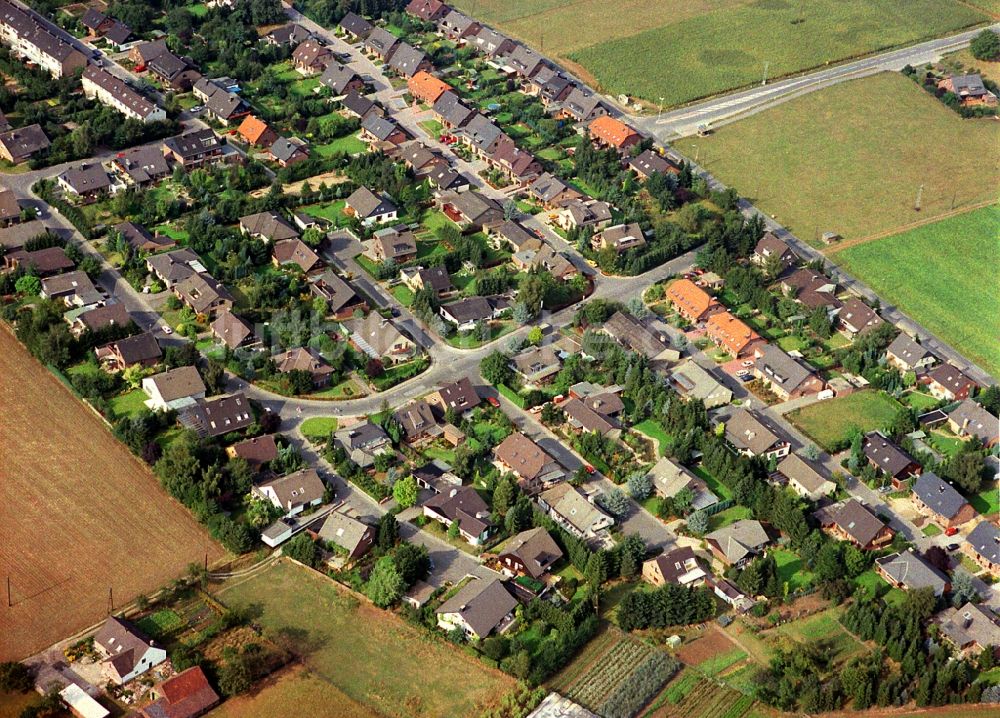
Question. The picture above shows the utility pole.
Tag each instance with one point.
(920, 195)
(111, 600)
(695, 148)
(661, 106)
(9, 604)
(764, 80)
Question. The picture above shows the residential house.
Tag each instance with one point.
(126, 652)
(341, 300)
(446, 180)
(785, 376)
(355, 27)
(582, 416)
(517, 165)
(96, 21)
(580, 214)
(466, 313)
(427, 10)
(856, 317)
(107, 89)
(551, 191)
(458, 396)
(982, 545)
(620, 237)
(638, 337)
(291, 35)
(911, 572)
(748, 436)
(139, 238)
(609, 132)
(23, 143)
(970, 629)
(371, 208)
(472, 210)
(341, 79)
(480, 608)
(173, 389)
(436, 476)
(86, 182)
(462, 505)
(692, 302)
(458, 26)
(353, 536)
(771, 249)
(970, 419)
(380, 338)
(141, 166)
(382, 131)
(302, 359)
(450, 111)
(417, 420)
(141, 349)
(513, 235)
(173, 267)
(354, 105)
(889, 460)
(804, 478)
(287, 152)
(949, 383)
(812, 289)
(852, 521)
(96, 318)
(529, 553)
(74, 288)
(424, 87)
(670, 478)
(393, 244)
(420, 159)
(195, 149)
(297, 252)
(738, 543)
(311, 57)
(550, 86)
(582, 105)
(142, 53)
(256, 451)
(574, 512)
(524, 62)
(936, 498)
(693, 382)
(185, 695)
(380, 43)
(480, 134)
(407, 61)
(546, 259)
(649, 163)
(294, 493)
(678, 566)
(906, 355)
(218, 416)
(491, 43)
(537, 364)
(119, 35)
(969, 89)
(204, 294)
(173, 71)
(732, 335)
(32, 37)
(256, 132)
(433, 278)
(50, 260)
(363, 442)
(10, 208)
(533, 467)
(14, 236)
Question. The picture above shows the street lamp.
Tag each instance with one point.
(661, 106)
(695, 148)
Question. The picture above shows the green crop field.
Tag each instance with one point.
(829, 422)
(828, 162)
(823, 628)
(943, 276)
(681, 51)
(372, 656)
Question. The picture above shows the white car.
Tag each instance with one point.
(167, 330)
(748, 363)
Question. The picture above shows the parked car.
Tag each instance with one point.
(493, 401)
(953, 547)
(950, 531)
(589, 469)
(167, 330)
(748, 363)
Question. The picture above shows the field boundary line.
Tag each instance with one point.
(848, 244)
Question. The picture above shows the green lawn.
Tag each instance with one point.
(829, 422)
(130, 403)
(792, 159)
(825, 628)
(432, 128)
(403, 294)
(334, 211)
(175, 233)
(350, 646)
(931, 530)
(318, 427)
(790, 570)
(654, 430)
(953, 293)
(918, 400)
(729, 516)
(875, 584)
(717, 487)
(349, 144)
(987, 501)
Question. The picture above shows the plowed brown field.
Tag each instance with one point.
(79, 515)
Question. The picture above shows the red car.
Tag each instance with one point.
(493, 401)
(950, 531)
(589, 469)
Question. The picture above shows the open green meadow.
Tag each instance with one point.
(851, 158)
(370, 655)
(943, 275)
(681, 51)
(829, 422)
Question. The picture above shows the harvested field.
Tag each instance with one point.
(714, 643)
(80, 514)
(293, 687)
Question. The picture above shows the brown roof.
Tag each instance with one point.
(302, 487)
(295, 251)
(124, 643)
(9, 208)
(586, 418)
(415, 418)
(178, 383)
(186, 695)
(138, 348)
(459, 395)
(303, 360)
(524, 457)
(257, 450)
(951, 378)
(111, 314)
(858, 522)
(536, 549)
(482, 604)
(232, 330)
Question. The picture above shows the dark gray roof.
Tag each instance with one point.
(780, 368)
(968, 85)
(214, 417)
(974, 419)
(335, 290)
(481, 132)
(381, 41)
(193, 143)
(270, 225)
(906, 349)
(985, 539)
(470, 309)
(292, 33)
(482, 603)
(356, 25)
(284, 149)
(354, 103)
(913, 571)
(581, 103)
(122, 92)
(138, 348)
(465, 505)
(337, 77)
(368, 204)
(884, 454)
(380, 128)
(547, 187)
(87, 178)
(406, 60)
(536, 549)
(450, 108)
(938, 495)
(143, 164)
(649, 163)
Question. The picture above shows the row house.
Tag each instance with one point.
(109, 90)
(692, 302)
(732, 335)
(32, 37)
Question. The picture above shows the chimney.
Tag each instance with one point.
(966, 619)
(453, 492)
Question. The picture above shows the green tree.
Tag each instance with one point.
(986, 46)
(385, 586)
(15, 677)
(412, 562)
(28, 285)
(303, 549)
(535, 336)
(495, 369)
(453, 530)
(388, 532)
(405, 492)
(697, 523)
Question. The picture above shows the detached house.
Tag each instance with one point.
(287, 152)
(969, 89)
(141, 349)
(302, 359)
(906, 355)
(363, 442)
(393, 244)
(465, 506)
(457, 26)
(480, 608)
(693, 382)
(195, 149)
(87, 182)
(552, 192)
(218, 416)
(355, 27)
(141, 166)
(889, 460)
(947, 382)
(650, 163)
(770, 249)
(407, 61)
(534, 468)
(569, 508)
(577, 214)
(341, 300)
(417, 420)
(737, 544)
(609, 132)
(911, 572)
(23, 143)
(638, 337)
(679, 566)
(380, 338)
(537, 365)
(127, 653)
(856, 317)
(382, 131)
(341, 79)
(268, 226)
(427, 10)
(982, 545)
(449, 109)
(970, 629)
(748, 436)
(804, 478)
(186, 695)
(582, 105)
(620, 237)
(296, 252)
(529, 553)
(256, 451)
(256, 132)
(311, 57)
(472, 210)
(381, 43)
(294, 493)
(670, 478)
(786, 377)
(970, 419)
(291, 34)
(355, 537)
(173, 389)
(852, 521)
(436, 279)
(204, 294)
(936, 498)
(370, 208)
(458, 396)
